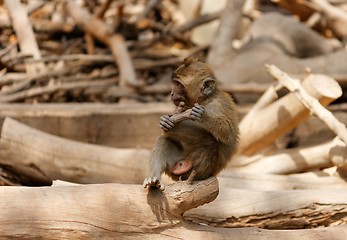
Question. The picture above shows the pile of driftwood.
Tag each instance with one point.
(63, 51)
(291, 167)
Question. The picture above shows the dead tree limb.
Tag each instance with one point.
(286, 161)
(289, 209)
(336, 17)
(25, 34)
(128, 126)
(43, 157)
(322, 113)
(232, 178)
(285, 114)
(97, 211)
(115, 42)
(230, 20)
(197, 232)
(311, 103)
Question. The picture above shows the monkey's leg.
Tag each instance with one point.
(191, 177)
(165, 154)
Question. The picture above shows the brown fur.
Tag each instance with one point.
(209, 142)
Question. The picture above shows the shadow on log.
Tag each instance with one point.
(97, 211)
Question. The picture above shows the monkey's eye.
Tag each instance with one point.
(176, 82)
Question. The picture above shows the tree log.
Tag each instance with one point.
(197, 232)
(125, 126)
(289, 209)
(26, 37)
(286, 161)
(97, 211)
(285, 114)
(272, 182)
(43, 157)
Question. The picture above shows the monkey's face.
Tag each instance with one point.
(193, 82)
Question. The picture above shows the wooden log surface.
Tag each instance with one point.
(197, 232)
(131, 125)
(290, 209)
(272, 182)
(43, 157)
(128, 125)
(285, 114)
(293, 160)
(97, 211)
(25, 34)
(49, 157)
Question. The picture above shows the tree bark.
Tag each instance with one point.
(97, 211)
(115, 42)
(294, 160)
(26, 38)
(291, 209)
(285, 114)
(124, 126)
(43, 157)
(272, 182)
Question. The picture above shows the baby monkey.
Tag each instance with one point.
(200, 137)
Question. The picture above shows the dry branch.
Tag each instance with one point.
(336, 17)
(311, 103)
(115, 42)
(131, 125)
(322, 113)
(43, 157)
(285, 114)
(271, 182)
(97, 211)
(36, 91)
(274, 210)
(221, 47)
(286, 161)
(25, 34)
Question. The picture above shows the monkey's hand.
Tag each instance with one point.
(197, 112)
(153, 182)
(166, 123)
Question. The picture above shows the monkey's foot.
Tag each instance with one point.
(153, 182)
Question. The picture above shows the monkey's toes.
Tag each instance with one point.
(153, 182)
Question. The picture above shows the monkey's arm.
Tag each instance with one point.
(168, 122)
(221, 124)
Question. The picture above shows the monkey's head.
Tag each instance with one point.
(193, 82)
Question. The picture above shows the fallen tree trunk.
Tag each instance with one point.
(294, 160)
(271, 182)
(196, 232)
(274, 210)
(97, 211)
(129, 125)
(43, 157)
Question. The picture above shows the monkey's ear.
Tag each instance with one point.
(209, 85)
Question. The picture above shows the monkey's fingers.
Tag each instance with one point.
(165, 126)
(166, 122)
(160, 186)
(153, 182)
(197, 112)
